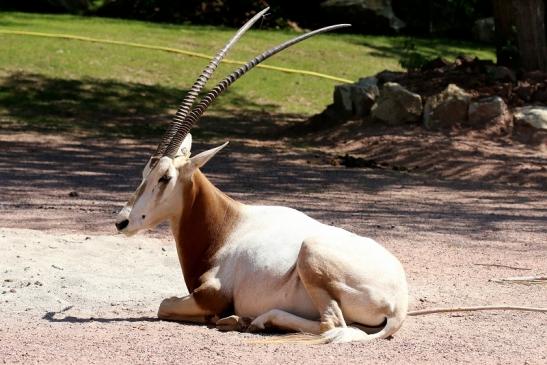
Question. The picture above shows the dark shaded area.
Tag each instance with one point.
(38, 175)
(452, 19)
(50, 317)
(422, 17)
(265, 164)
(92, 106)
(430, 48)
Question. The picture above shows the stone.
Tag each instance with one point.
(388, 76)
(342, 98)
(368, 81)
(397, 105)
(448, 107)
(436, 63)
(363, 98)
(363, 95)
(524, 90)
(532, 115)
(530, 125)
(486, 110)
(356, 99)
(501, 73)
(483, 30)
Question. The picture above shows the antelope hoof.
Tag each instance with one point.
(233, 323)
(258, 325)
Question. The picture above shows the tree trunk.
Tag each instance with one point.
(520, 33)
(530, 22)
(504, 22)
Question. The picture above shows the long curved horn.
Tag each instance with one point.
(224, 84)
(191, 96)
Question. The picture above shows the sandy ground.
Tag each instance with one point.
(73, 291)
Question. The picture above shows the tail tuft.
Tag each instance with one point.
(336, 335)
(345, 334)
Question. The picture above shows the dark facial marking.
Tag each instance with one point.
(164, 179)
(137, 194)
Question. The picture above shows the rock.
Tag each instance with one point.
(436, 63)
(534, 116)
(501, 73)
(388, 76)
(530, 125)
(342, 98)
(485, 110)
(446, 108)
(524, 90)
(397, 105)
(364, 95)
(483, 30)
(369, 15)
(368, 81)
(356, 99)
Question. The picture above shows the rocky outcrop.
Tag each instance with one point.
(446, 108)
(397, 105)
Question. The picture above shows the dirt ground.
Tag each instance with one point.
(74, 291)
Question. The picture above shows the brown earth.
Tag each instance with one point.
(75, 292)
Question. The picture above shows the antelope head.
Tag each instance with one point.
(159, 195)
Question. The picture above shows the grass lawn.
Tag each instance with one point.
(58, 84)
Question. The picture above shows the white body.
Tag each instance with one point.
(264, 247)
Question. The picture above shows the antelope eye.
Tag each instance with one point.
(164, 179)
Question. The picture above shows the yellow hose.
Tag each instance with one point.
(172, 50)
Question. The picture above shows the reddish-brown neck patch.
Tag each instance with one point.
(208, 217)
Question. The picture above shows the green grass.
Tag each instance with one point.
(65, 84)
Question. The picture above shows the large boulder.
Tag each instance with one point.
(364, 15)
(486, 110)
(356, 100)
(530, 125)
(397, 105)
(448, 107)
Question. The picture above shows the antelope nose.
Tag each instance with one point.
(121, 225)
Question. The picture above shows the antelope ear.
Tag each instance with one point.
(202, 158)
(185, 147)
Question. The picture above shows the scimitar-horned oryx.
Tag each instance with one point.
(267, 265)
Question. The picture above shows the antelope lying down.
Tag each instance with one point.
(274, 265)
(268, 266)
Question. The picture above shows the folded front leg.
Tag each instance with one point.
(183, 309)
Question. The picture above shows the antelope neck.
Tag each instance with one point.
(207, 219)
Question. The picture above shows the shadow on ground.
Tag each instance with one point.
(425, 49)
(476, 155)
(50, 317)
(94, 107)
(68, 182)
(80, 184)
